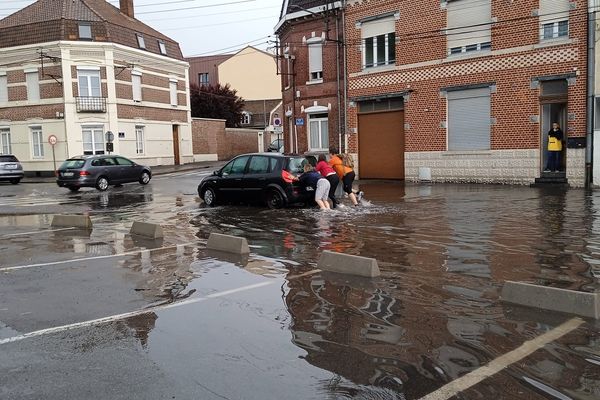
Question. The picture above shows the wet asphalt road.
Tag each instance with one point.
(104, 315)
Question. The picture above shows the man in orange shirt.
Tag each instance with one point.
(345, 172)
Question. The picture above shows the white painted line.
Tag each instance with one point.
(113, 318)
(36, 232)
(75, 260)
(472, 378)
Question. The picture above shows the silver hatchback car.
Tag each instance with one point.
(10, 169)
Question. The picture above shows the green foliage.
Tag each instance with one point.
(219, 102)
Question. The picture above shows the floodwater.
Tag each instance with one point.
(444, 252)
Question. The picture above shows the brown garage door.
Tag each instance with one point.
(381, 145)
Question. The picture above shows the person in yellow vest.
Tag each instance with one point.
(555, 138)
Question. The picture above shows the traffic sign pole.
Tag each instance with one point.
(53, 140)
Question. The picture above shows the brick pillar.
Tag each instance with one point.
(127, 7)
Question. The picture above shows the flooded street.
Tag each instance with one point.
(102, 314)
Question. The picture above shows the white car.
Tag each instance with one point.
(10, 169)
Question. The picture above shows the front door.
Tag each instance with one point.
(551, 113)
(176, 144)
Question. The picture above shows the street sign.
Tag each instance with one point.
(109, 147)
(277, 121)
(299, 121)
(278, 129)
(110, 136)
(52, 140)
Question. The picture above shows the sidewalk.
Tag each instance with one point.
(156, 170)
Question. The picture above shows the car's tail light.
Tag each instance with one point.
(287, 177)
(84, 173)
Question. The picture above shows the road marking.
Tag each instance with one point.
(75, 260)
(36, 232)
(472, 378)
(118, 317)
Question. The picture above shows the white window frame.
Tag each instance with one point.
(173, 92)
(97, 147)
(320, 121)
(5, 142)
(136, 86)
(33, 84)
(388, 47)
(140, 41)
(140, 140)
(162, 47)
(315, 67)
(457, 34)
(88, 74)
(3, 88)
(555, 30)
(246, 118)
(201, 81)
(81, 30)
(37, 142)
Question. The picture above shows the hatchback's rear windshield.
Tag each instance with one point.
(72, 164)
(296, 165)
(8, 159)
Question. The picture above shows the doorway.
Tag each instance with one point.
(553, 102)
(176, 144)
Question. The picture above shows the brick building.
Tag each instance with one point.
(77, 69)
(312, 74)
(466, 89)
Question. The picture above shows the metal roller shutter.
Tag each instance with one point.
(469, 119)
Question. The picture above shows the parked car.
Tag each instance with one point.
(10, 169)
(100, 171)
(276, 146)
(265, 178)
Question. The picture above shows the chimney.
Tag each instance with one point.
(127, 7)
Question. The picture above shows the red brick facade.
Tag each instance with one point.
(209, 136)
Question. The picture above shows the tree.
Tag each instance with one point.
(220, 102)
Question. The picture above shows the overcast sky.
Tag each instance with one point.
(200, 26)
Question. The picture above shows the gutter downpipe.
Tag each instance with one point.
(339, 94)
(591, 54)
(345, 48)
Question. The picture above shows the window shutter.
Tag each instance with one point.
(173, 90)
(136, 81)
(3, 89)
(378, 27)
(553, 10)
(315, 57)
(33, 86)
(469, 119)
(461, 18)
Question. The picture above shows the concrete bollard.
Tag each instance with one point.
(152, 231)
(348, 264)
(548, 298)
(228, 244)
(72, 221)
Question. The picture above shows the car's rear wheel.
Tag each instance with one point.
(73, 188)
(275, 199)
(145, 178)
(102, 183)
(210, 197)
(15, 181)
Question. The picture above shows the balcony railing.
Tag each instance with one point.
(91, 104)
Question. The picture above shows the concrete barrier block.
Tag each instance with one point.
(72, 221)
(348, 264)
(145, 229)
(548, 298)
(228, 244)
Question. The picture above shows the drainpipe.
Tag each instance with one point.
(339, 88)
(345, 77)
(591, 77)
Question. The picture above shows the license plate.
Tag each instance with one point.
(10, 166)
(67, 174)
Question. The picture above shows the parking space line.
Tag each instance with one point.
(118, 317)
(472, 378)
(35, 232)
(75, 260)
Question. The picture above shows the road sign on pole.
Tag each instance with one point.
(52, 139)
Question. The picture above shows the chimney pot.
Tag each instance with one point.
(127, 7)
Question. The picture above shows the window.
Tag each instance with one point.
(315, 59)
(37, 142)
(246, 118)
(259, 165)
(85, 31)
(173, 92)
(162, 47)
(3, 89)
(5, 141)
(89, 83)
(469, 25)
(469, 119)
(139, 140)
(379, 42)
(554, 19)
(33, 85)
(123, 161)
(140, 41)
(93, 140)
(319, 132)
(203, 78)
(236, 166)
(136, 83)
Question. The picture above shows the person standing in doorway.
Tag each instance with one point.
(555, 138)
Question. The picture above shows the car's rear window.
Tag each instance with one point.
(72, 164)
(295, 165)
(8, 159)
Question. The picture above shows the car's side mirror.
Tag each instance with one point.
(216, 173)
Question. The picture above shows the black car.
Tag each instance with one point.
(257, 178)
(100, 171)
